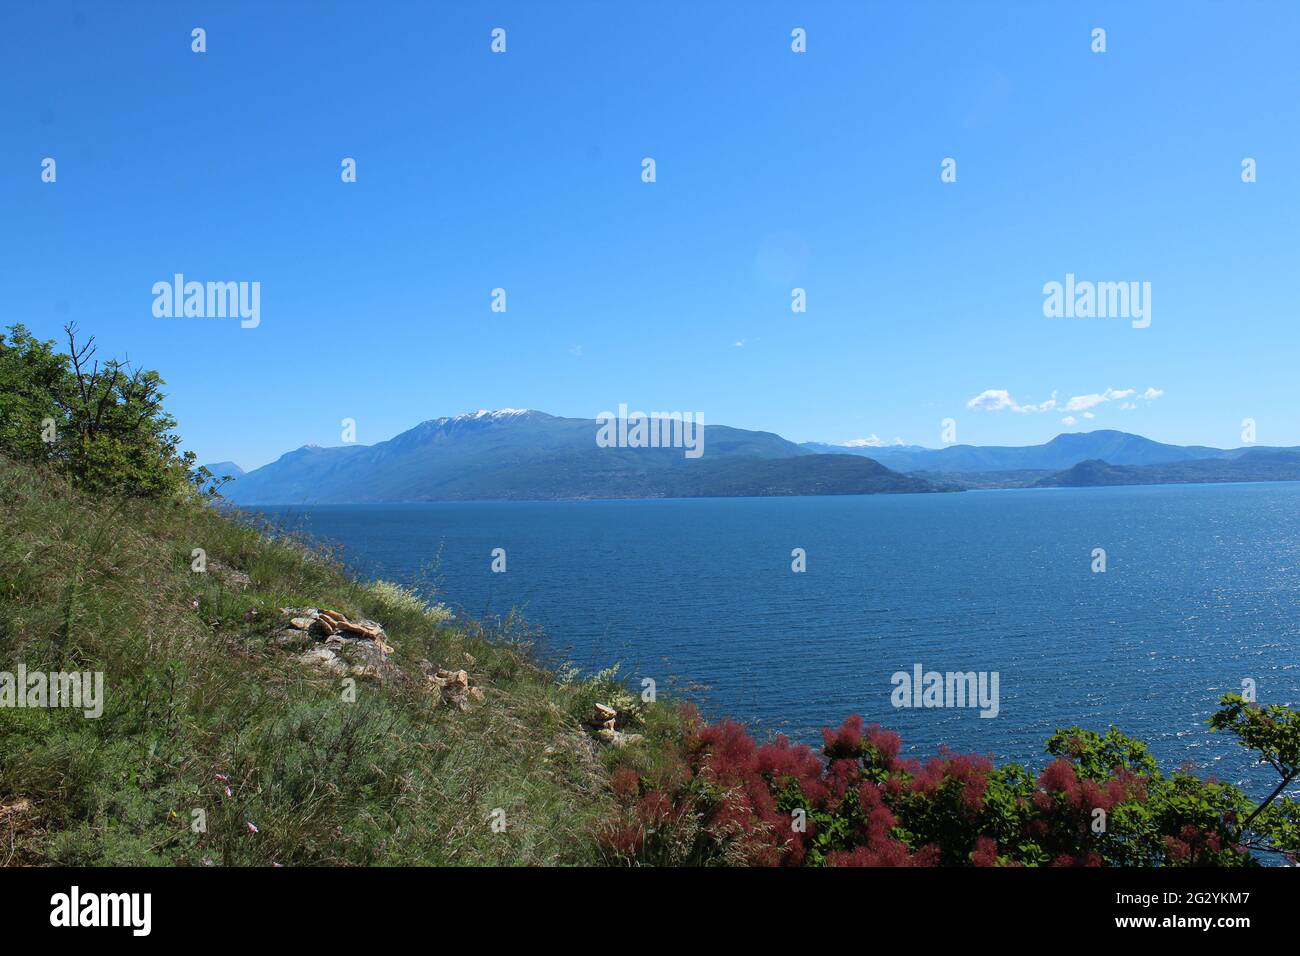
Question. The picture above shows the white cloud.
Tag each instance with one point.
(739, 344)
(1081, 402)
(1068, 420)
(991, 400)
(999, 399)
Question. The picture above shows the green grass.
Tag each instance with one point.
(390, 779)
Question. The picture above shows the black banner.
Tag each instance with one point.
(339, 905)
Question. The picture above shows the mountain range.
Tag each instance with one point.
(529, 455)
(521, 454)
(1063, 451)
(1254, 464)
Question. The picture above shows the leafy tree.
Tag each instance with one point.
(33, 378)
(103, 424)
(1274, 731)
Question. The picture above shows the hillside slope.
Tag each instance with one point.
(202, 693)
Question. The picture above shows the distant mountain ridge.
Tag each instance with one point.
(1255, 464)
(521, 454)
(1063, 451)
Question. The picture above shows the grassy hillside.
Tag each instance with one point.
(197, 691)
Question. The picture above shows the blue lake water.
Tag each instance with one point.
(1201, 591)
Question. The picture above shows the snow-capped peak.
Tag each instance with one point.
(873, 442)
(485, 415)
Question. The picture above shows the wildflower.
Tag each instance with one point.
(252, 827)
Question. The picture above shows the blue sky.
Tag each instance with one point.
(774, 170)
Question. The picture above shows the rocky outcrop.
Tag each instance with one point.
(451, 688)
(328, 639)
(603, 725)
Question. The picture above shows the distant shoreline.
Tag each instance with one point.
(896, 494)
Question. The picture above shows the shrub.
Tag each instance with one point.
(1102, 801)
(405, 600)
